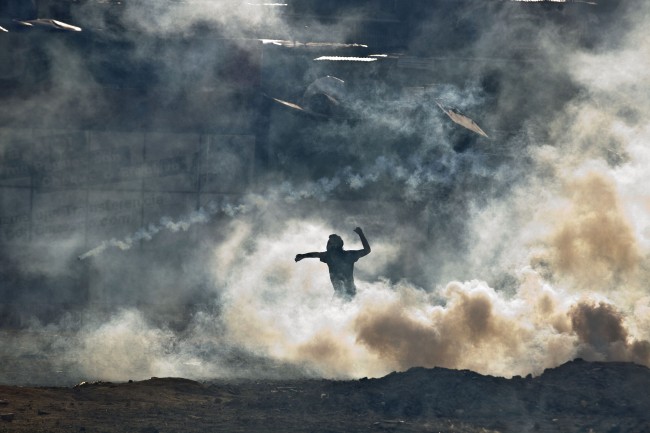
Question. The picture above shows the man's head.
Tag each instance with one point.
(334, 243)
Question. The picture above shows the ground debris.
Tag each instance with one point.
(572, 398)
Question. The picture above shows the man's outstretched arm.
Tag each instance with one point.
(316, 255)
(364, 242)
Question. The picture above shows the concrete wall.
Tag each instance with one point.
(62, 184)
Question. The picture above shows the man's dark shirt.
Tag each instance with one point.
(341, 267)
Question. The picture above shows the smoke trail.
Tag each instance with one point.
(413, 178)
(146, 234)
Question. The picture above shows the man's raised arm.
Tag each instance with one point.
(364, 242)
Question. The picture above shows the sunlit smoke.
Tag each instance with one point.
(280, 311)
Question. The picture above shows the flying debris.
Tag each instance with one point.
(464, 121)
(323, 98)
(297, 44)
(325, 94)
(49, 24)
(327, 97)
(295, 107)
(329, 85)
(289, 104)
(346, 59)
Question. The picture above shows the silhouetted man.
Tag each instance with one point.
(340, 263)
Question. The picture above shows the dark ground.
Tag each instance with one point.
(578, 396)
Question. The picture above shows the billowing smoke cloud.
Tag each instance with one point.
(602, 332)
(595, 242)
(505, 255)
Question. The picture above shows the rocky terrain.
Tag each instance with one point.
(578, 396)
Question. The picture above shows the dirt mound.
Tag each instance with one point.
(578, 396)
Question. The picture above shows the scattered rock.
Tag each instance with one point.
(7, 416)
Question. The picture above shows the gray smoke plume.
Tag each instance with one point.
(504, 254)
(602, 332)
